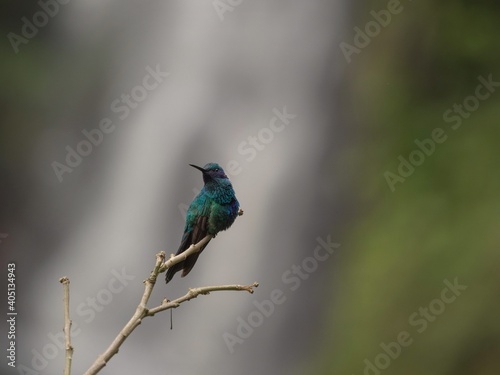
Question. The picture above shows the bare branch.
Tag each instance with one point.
(195, 292)
(67, 326)
(190, 250)
(142, 310)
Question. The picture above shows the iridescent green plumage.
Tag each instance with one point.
(210, 212)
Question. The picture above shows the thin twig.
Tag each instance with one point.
(67, 326)
(179, 258)
(195, 292)
(142, 311)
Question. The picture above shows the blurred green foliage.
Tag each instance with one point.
(442, 222)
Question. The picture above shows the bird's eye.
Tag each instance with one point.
(216, 170)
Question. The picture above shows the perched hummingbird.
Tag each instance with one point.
(211, 211)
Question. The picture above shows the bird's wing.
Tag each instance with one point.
(198, 232)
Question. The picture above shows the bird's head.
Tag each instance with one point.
(211, 171)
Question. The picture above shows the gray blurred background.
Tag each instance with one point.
(307, 105)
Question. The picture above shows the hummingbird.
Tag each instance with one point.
(214, 209)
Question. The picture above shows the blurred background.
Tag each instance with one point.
(360, 138)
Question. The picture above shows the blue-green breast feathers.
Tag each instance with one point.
(218, 203)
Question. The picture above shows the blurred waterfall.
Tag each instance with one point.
(224, 77)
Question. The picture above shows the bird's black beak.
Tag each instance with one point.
(199, 168)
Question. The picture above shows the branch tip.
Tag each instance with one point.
(67, 326)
